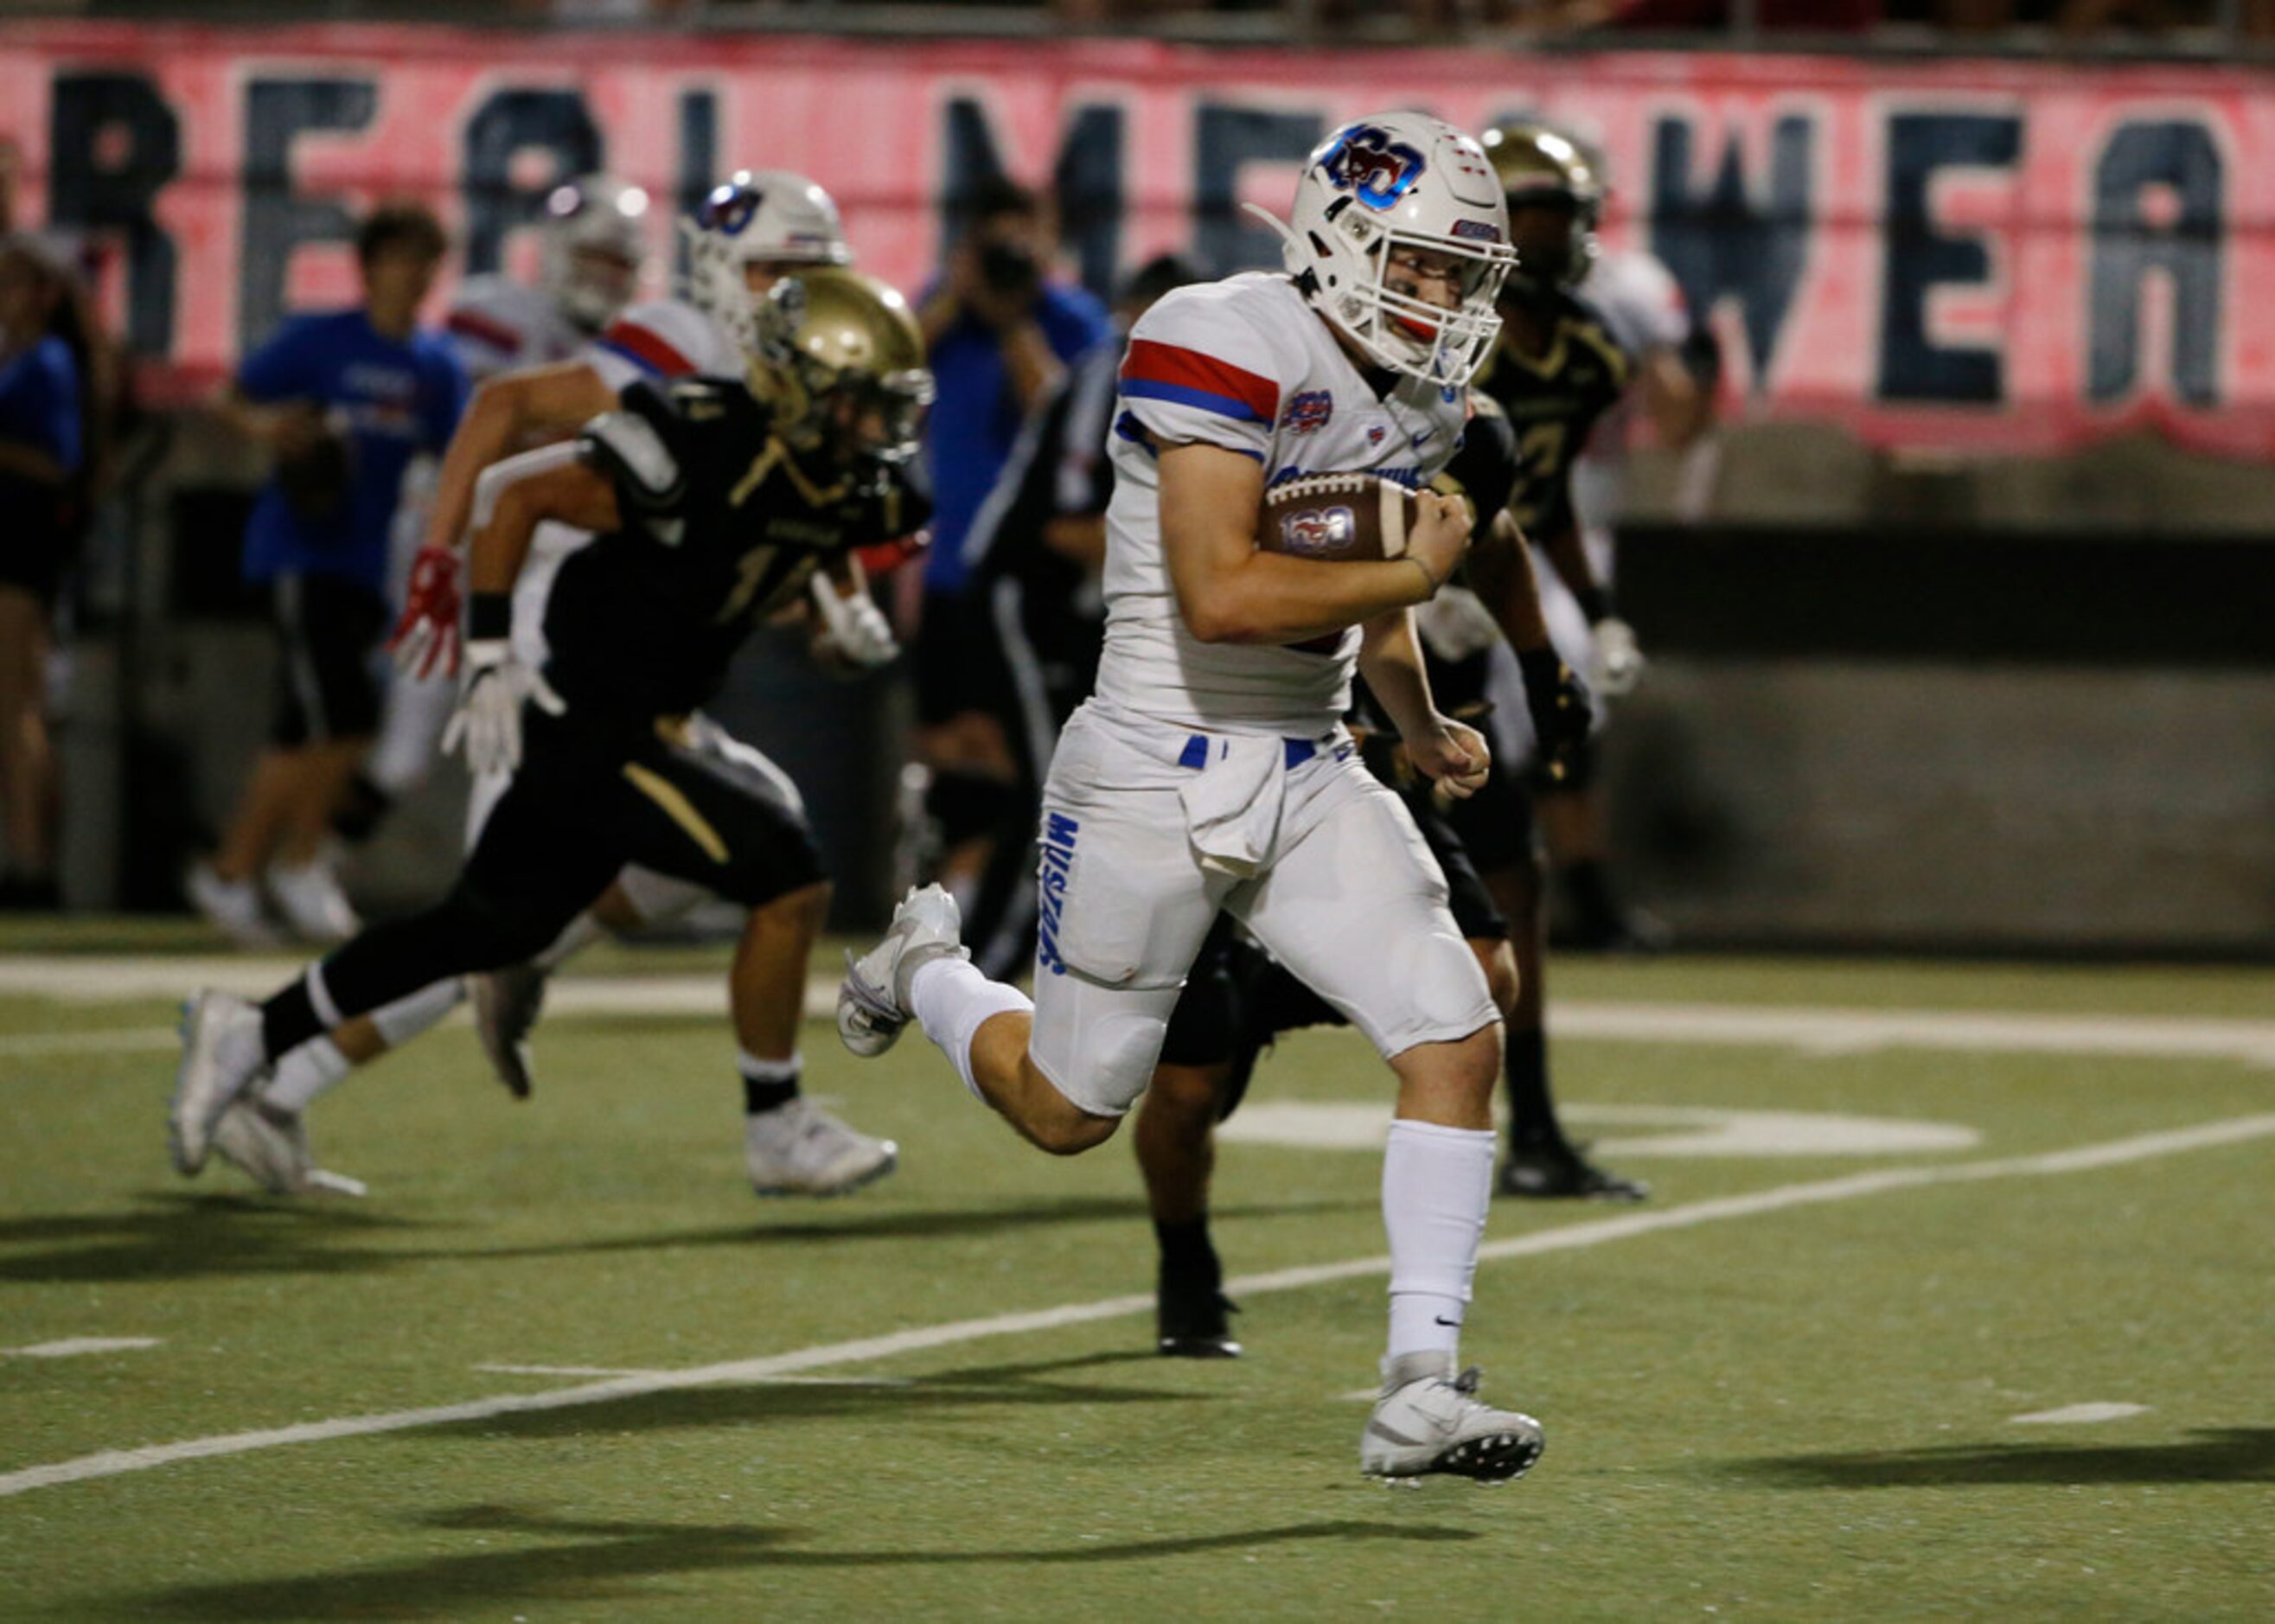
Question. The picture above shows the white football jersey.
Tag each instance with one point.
(1246, 365)
(498, 325)
(664, 338)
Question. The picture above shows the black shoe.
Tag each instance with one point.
(1559, 1173)
(1189, 1317)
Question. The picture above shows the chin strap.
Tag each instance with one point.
(1307, 282)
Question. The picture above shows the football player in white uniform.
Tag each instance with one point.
(1211, 770)
(754, 230)
(591, 260)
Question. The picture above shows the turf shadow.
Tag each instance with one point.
(176, 1235)
(888, 1401)
(600, 1559)
(2222, 1454)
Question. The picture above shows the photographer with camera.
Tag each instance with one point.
(1000, 331)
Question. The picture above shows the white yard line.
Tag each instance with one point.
(73, 1346)
(1813, 1030)
(2143, 1147)
(2078, 1414)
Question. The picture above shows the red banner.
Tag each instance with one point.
(2001, 256)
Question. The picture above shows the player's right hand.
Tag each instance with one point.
(1439, 534)
(427, 638)
(1453, 755)
(488, 717)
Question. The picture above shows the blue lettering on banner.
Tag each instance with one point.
(1059, 832)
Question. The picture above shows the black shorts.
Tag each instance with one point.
(35, 545)
(681, 796)
(1495, 825)
(1471, 903)
(958, 658)
(327, 632)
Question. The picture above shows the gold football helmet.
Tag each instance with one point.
(1540, 164)
(839, 355)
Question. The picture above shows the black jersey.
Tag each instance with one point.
(723, 523)
(1551, 402)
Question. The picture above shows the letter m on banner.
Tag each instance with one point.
(1085, 179)
(1726, 237)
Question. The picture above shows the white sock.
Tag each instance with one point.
(406, 1018)
(306, 1075)
(580, 934)
(951, 1001)
(1437, 1185)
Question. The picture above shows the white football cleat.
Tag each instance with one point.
(506, 1005)
(798, 1149)
(872, 999)
(312, 903)
(270, 1145)
(221, 1055)
(1429, 1420)
(230, 906)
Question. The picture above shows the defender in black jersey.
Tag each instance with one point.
(713, 504)
(1556, 372)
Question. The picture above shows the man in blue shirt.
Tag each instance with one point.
(46, 418)
(1000, 332)
(345, 399)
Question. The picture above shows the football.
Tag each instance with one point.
(1336, 516)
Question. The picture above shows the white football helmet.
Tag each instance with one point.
(756, 217)
(1393, 181)
(592, 216)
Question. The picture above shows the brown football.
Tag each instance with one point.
(1336, 516)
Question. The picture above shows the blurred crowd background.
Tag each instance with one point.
(1944, 653)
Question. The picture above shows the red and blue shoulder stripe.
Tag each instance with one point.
(1184, 377)
(646, 350)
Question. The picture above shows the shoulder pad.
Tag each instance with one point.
(626, 447)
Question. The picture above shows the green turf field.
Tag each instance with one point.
(1788, 1386)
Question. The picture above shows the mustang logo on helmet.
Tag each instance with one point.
(731, 208)
(1368, 162)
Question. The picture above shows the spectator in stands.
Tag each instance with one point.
(45, 432)
(1000, 331)
(345, 399)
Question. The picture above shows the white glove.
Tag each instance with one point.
(1455, 624)
(856, 628)
(1618, 660)
(488, 717)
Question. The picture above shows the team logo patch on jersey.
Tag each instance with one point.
(1310, 532)
(1367, 162)
(1374, 434)
(1308, 412)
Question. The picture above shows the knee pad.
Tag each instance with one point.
(1446, 986)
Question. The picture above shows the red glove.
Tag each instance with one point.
(880, 557)
(428, 635)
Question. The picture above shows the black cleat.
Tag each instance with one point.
(1190, 1317)
(1559, 1173)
